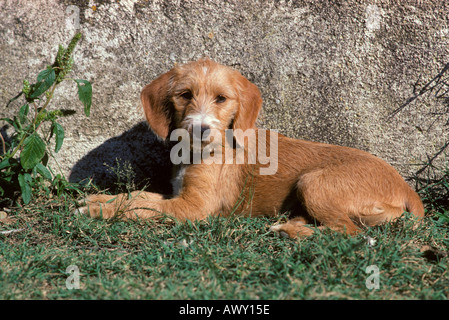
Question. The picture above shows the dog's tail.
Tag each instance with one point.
(414, 204)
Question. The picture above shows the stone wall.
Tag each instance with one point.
(330, 71)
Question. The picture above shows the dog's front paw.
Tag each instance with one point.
(137, 204)
(97, 206)
(97, 210)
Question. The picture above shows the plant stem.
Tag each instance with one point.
(34, 121)
(3, 143)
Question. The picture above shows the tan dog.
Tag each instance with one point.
(338, 187)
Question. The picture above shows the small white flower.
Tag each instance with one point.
(370, 241)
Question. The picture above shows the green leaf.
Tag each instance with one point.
(58, 131)
(17, 125)
(10, 121)
(44, 160)
(25, 186)
(44, 81)
(10, 164)
(33, 151)
(43, 171)
(85, 94)
(5, 163)
(23, 112)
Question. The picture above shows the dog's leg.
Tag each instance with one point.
(293, 228)
(339, 221)
(197, 199)
(296, 227)
(377, 214)
(120, 205)
(346, 205)
(143, 205)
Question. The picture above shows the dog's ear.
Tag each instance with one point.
(157, 105)
(249, 105)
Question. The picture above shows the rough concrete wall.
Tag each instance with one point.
(329, 71)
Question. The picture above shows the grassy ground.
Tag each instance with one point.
(220, 258)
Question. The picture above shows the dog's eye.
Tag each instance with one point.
(220, 99)
(187, 95)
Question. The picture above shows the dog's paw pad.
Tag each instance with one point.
(278, 230)
(284, 234)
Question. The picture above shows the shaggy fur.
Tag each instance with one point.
(338, 187)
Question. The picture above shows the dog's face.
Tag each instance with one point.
(205, 95)
(202, 94)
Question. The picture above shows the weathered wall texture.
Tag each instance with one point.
(329, 71)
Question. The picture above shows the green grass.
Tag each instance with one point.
(234, 258)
